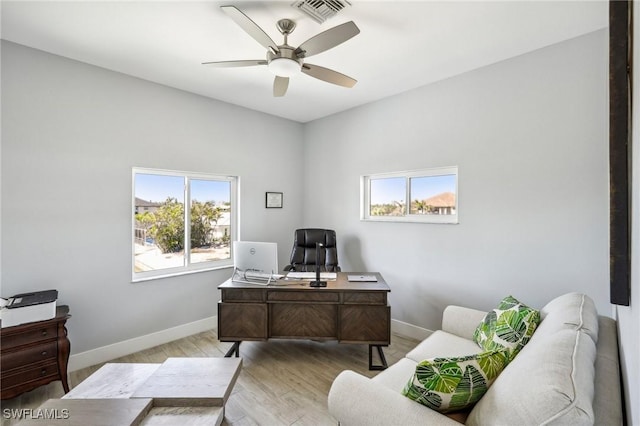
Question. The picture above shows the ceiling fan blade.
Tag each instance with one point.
(327, 39)
(229, 64)
(250, 27)
(280, 85)
(330, 76)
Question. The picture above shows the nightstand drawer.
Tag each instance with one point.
(11, 340)
(30, 355)
(29, 374)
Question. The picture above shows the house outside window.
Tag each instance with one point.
(182, 222)
(427, 196)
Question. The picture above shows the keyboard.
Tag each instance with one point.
(312, 275)
(264, 276)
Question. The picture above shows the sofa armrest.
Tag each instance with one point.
(357, 400)
(461, 321)
(607, 401)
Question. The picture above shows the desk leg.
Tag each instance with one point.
(383, 361)
(235, 349)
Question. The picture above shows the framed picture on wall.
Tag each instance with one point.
(273, 200)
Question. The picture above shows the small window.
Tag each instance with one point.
(429, 196)
(387, 196)
(169, 239)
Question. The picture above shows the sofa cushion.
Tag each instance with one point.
(551, 381)
(509, 326)
(395, 377)
(570, 311)
(452, 384)
(442, 344)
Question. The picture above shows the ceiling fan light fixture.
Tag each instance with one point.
(284, 67)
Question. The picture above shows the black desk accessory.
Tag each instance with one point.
(317, 282)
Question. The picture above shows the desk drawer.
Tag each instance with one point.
(365, 323)
(242, 295)
(45, 332)
(308, 296)
(30, 355)
(29, 374)
(242, 321)
(296, 321)
(366, 298)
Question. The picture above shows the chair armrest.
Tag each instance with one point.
(357, 400)
(461, 321)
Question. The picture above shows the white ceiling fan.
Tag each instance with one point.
(286, 61)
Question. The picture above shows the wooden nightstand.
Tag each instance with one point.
(34, 354)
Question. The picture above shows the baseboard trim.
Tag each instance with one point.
(116, 350)
(409, 330)
(126, 347)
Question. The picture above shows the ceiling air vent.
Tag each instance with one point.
(321, 10)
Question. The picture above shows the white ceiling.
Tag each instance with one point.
(402, 45)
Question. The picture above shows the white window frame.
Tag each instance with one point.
(365, 196)
(189, 267)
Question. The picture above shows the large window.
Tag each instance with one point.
(182, 222)
(429, 195)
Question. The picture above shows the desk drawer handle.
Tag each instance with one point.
(43, 372)
(44, 353)
(44, 332)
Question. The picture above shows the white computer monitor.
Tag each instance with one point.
(255, 256)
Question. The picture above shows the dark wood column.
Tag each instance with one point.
(620, 72)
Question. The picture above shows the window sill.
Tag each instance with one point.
(177, 274)
(403, 219)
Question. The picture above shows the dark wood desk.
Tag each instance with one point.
(349, 312)
(34, 354)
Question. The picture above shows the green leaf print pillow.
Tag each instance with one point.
(509, 326)
(453, 384)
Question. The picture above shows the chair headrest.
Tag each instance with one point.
(308, 237)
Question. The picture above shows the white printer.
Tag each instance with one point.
(28, 307)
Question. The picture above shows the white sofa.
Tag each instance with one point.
(568, 373)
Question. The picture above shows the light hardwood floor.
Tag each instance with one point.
(282, 382)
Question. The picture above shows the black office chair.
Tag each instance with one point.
(303, 254)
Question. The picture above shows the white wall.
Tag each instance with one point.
(71, 134)
(529, 135)
(629, 316)
(530, 138)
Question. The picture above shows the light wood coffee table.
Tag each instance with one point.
(184, 391)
